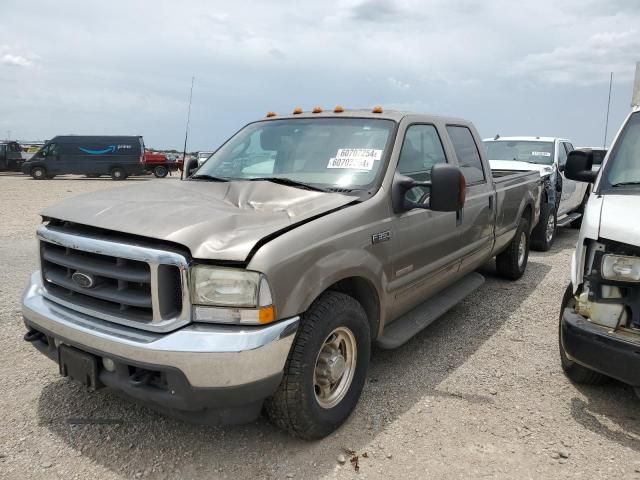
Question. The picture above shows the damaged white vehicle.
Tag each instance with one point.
(600, 313)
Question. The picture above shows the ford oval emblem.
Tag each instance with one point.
(83, 280)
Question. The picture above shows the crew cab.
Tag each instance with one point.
(600, 311)
(231, 291)
(563, 199)
(160, 164)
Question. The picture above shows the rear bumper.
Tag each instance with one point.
(614, 354)
(227, 370)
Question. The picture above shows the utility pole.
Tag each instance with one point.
(186, 132)
(635, 97)
(606, 123)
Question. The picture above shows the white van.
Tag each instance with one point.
(600, 312)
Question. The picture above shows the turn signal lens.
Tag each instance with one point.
(377, 109)
(266, 315)
(297, 110)
(316, 110)
(338, 109)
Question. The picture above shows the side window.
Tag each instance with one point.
(562, 154)
(467, 152)
(2, 149)
(421, 150)
(570, 148)
(51, 150)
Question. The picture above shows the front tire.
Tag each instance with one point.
(326, 368)
(118, 174)
(160, 171)
(544, 234)
(39, 173)
(512, 262)
(574, 371)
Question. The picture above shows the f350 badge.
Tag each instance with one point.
(381, 237)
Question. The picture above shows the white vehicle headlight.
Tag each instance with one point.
(228, 295)
(621, 268)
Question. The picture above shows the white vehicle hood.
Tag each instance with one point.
(618, 220)
(514, 165)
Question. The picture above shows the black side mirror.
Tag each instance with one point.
(579, 165)
(447, 194)
(189, 167)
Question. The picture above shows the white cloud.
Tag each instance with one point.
(398, 84)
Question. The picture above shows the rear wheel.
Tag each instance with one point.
(118, 174)
(576, 372)
(512, 262)
(545, 232)
(39, 173)
(160, 171)
(326, 368)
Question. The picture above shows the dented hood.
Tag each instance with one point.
(214, 220)
(618, 218)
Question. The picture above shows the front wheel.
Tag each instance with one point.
(160, 171)
(326, 369)
(544, 234)
(512, 263)
(576, 372)
(39, 173)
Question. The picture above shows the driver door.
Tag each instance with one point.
(425, 253)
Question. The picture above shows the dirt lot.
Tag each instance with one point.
(478, 394)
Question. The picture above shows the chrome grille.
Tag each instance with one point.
(127, 283)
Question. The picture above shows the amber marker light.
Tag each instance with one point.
(316, 110)
(270, 114)
(377, 109)
(297, 110)
(338, 109)
(266, 315)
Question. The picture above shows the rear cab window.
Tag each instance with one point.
(467, 152)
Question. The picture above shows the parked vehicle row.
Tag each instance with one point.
(300, 243)
(10, 156)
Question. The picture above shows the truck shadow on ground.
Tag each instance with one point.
(127, 438)
(610, 411)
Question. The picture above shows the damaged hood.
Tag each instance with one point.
(514, 165)
(214, 220)
(617, 218)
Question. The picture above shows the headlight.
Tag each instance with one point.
(246, 296)
(621, 268)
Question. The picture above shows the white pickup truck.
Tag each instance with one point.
(600, 312)
(547, 155)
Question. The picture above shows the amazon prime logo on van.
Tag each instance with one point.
(83, 280)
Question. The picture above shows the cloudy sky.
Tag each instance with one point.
(124, 67)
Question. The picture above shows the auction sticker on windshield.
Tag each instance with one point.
(358, 158)
(541, 154)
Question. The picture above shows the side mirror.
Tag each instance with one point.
(190, 166)
(447, 194)
(578, 167)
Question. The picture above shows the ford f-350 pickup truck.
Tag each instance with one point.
(265, 277)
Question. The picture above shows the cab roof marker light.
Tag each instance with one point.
(377, 109)
(317, 110)
(338, 109)
(297, 110)
(270, 114)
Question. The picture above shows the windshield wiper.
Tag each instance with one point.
(288, 182)
(626, 184)
(210, 178)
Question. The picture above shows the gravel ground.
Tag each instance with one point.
(478, 394)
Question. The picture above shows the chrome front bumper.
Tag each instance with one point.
(209, 356)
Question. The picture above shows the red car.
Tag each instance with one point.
(159, 164)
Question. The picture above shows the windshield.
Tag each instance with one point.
(520, 151)
(324, 152)
(623, 166)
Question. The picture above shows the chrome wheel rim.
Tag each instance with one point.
(551, 226)
(335, 367)
(522, 248)
(38, 173)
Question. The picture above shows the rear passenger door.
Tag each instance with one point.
(477, 219)
(424, 251)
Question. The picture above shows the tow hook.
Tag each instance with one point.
(33, 336)
(140, 378)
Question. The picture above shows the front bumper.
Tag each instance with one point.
(615, 354)
(213, 367)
